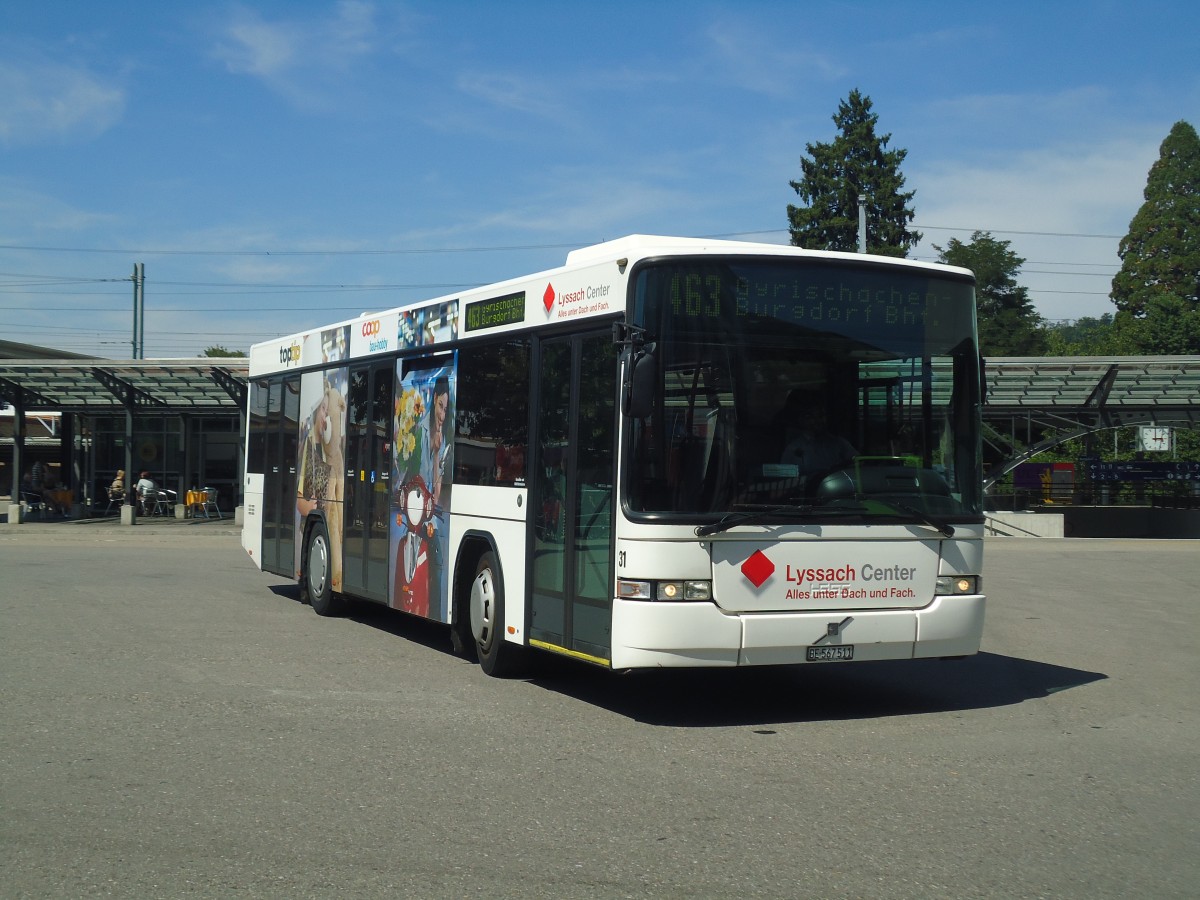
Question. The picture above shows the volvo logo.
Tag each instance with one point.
(834, 629)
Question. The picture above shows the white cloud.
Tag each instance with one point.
(599, 205)
(29, 214)
(748, 58)
(511, 92)
(46, 101)
(255, 48)
(1062, 208)
(296, 58)
(1089, 189)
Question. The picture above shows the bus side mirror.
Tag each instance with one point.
(637, 395)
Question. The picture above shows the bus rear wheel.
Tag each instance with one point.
(497, 657)
(317, 577)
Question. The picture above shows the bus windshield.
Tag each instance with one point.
(806, 387)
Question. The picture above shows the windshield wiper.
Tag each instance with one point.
(751, 516)
(944, 527)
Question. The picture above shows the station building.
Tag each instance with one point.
(84, 418)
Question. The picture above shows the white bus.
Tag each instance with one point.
(667, 452)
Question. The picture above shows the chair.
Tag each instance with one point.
(162, 503)
(115, 498)
(34, 502)
(210, 502)
(154, 503)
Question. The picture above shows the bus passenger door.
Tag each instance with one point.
(368, 477)
(572, 493)
(279, 477)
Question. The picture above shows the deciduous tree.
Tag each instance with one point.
(1008, 323)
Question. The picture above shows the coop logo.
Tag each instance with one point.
(289, 355)
(375, 342)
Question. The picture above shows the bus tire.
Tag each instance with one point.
(317, 576)
(497, 657)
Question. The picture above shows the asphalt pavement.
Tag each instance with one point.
(178, 724)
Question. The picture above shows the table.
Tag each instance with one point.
(194, 499)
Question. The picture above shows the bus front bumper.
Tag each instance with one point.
(677, 635)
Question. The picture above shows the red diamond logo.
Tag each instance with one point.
(548, 297)
(758, 568)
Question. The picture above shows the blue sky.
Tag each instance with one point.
(281, 165)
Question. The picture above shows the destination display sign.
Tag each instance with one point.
(876, 305)
(496, 311)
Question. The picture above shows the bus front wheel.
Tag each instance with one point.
(318, 574)
(497, 657)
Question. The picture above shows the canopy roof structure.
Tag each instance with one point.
(1050, 400)
(1059, 398)
(1112, 390)
(204, 385)
(1108, 391)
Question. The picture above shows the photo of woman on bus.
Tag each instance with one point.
(320, 462)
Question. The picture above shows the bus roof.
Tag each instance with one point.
(640, 246)
(587, 284)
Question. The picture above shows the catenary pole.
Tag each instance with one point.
(862, 223)
(133, 352)
(139, 280)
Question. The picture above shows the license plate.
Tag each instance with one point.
(829, 654)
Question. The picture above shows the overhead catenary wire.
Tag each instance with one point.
(24, 290)
(493, 248)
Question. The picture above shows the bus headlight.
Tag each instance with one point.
(957, 584)
(673, 591)
(684, 590)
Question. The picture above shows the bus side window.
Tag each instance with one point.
(491, 418)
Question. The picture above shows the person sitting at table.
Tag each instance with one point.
(56, 497)
(30, 494)
(147, 492)
(116, 490)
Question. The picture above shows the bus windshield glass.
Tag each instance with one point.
(806, 387)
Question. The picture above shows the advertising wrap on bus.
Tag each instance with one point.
(373, 334)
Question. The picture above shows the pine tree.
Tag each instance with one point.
(1160, 256)
(1008, 323)
(837, 173)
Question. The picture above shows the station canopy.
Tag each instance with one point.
(94, 386)
(1113, 390)
(1118, 389)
